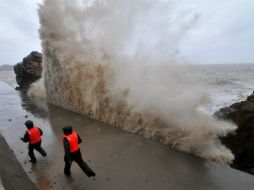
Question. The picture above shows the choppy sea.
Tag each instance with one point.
(226, 83)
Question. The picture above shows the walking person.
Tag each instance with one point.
(33, 137)
(71, 143)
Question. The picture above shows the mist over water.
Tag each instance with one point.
(116, 61)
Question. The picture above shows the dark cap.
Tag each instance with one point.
(29, 124)
(67, 130)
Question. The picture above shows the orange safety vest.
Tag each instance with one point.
(34, 135)
(73, 141)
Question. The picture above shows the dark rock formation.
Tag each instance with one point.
(241, 142)
(29, 70)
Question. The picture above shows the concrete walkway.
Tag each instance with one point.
(122, 161)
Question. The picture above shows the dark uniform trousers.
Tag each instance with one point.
(36, 146)
(77, 157)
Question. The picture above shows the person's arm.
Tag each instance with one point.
(66, 149)
(79, 140)
(25, 138)
(41, 132)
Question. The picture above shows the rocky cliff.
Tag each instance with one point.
(29, 70)
(241, 142)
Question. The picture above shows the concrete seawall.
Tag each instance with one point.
(12, 175)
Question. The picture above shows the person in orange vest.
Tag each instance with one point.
(33, 137)
(71, 143)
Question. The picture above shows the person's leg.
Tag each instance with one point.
(40, 149)
(86, 169)
(67, 167)
(31, 153)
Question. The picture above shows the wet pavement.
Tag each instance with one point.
(120, 159)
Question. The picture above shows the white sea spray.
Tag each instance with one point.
(116, 61)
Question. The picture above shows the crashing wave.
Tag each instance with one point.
(116, 61)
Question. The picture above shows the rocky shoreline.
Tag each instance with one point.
(241, 142)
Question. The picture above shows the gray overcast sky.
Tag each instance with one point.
(224, 32)
(19, 30)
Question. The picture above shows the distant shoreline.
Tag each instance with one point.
(6, 67)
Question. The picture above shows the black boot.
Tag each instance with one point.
(32, 160)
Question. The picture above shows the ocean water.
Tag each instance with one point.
(8, 77)
(227, 83)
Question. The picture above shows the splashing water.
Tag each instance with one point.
(116, 61)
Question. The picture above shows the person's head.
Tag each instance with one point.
(29, 124)
(67, 130)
